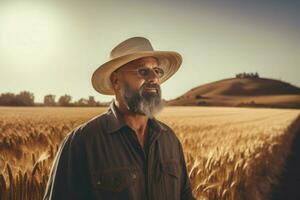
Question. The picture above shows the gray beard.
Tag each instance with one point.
(142, 103)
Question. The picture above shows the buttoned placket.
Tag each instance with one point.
(154, 133)
(151, 142)
(143, 154)
(146, 154)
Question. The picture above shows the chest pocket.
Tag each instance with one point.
(170, 179)
(115, 179)
(171, 168)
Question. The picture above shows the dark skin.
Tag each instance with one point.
(135, 121)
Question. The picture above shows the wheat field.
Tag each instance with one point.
(231, 153)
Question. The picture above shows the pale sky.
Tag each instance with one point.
(53, 47)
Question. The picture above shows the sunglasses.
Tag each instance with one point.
(145, 72)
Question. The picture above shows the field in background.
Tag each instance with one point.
(231, 153)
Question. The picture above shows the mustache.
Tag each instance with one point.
(150, 85)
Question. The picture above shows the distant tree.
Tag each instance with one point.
(247, 75)
(65, 100)
(98, 103)
(49, 100)
(81, 102)
(198, 96)
(91, 101)
(7, 99)
(25, 98)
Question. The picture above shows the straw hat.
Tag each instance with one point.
(129, 50)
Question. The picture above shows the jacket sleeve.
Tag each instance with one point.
(68, 178)
(186, 190)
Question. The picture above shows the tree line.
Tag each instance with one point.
(247, 75)
(26, 98)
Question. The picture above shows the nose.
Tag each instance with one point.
(153, 78)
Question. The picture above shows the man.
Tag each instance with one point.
(125, 153)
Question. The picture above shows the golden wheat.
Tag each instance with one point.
(231, 153)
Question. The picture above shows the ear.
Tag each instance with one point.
(114, 78)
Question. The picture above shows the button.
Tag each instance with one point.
(133, 175)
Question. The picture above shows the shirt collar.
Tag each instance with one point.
(115, 120)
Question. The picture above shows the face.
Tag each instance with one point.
(141, 95)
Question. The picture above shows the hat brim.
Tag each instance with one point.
(170, 61)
